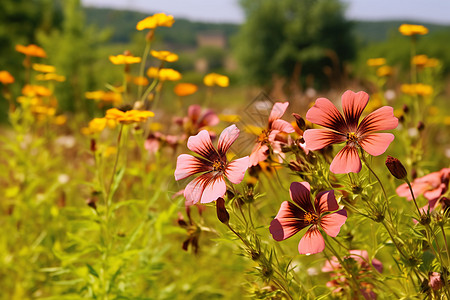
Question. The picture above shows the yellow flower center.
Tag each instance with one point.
(264, 137)
(352, 137)
(311, 218)
(218, 165)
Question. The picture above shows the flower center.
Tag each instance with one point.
(218, 165)
(352, 138)
(264, 136)
(311, 218)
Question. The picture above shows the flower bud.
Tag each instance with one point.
(435, 281)
(222, 213)
(300, 122)
(420, 126)
(405, 108)
(396, 168)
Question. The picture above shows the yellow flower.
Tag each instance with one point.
(213, 79)
(163, 74)
(185, 89)
(420, 60)
(43, 110)
(35, 90)
(384, 71)
(60, 120)
(51, 76)
(140, 81)
(6, 77)
(432, 63)
(410, 30)
(129, 116)
(94, 95)
(417, 89)
(44, 68)
(164, 55)
(31, 50)
(157, 20)
(230, 118)
(124, 59)
(376, 62)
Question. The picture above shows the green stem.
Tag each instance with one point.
(446, 244)
(142, 67)
(413, 197)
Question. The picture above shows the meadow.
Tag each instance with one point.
(166, 189)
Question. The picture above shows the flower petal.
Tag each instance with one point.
(235, 170)
(209, 119)
(259, 153)
(227, 138)
(353, 105)
(301, 195)
(312, 242)
(332, 223)
(346, 161)
(194, 112)
(316, 139)
(376, 143)
(188, 165)
(214, 189)
(288, 221)
(205, 188)
(283, 126)
(325, 201)
(324, 113)
(277, 111)
(380, 119)
(202, 145)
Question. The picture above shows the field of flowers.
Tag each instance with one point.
(170, 193)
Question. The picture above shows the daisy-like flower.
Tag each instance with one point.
(31, 50)
(197, 119)
(164, 55)
(212, 164)
(185, 89)
(347, 128)
(411, 30)
(293, 217)
(129, 116)
(164, 74)
(124, 59)
(157, 20)
(213, 79)
(6, 77)
(267, 138)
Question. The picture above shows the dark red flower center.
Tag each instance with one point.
(311, 218)
(219, 165)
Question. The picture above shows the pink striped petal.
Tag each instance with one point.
(381, 119)
(259, 153)
(332, 223)
(227, 138)
(282, 126)
(316, 139)
(301, 195)
(205, 188)
(312, 242)
(353, 105)
(188, 165)
(214, 189)
(235, 170)
(194, 112)
(209, 119)
(324, 113)
(346, 161)
(277, 111)
(376, 143)
(202, 145)
(288, 221)
(325, 201)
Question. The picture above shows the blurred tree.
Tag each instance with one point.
(293, 39)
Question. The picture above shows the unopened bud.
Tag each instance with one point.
(396, 168)
(93, 146)
(405, 108)
(435, 282)
(300, 122)
(420, 126)
(222, 213)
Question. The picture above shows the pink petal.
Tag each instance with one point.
(235, 170)
(259, 153)
(301, 195)
(324, 113)
(288, 221)
(188, 165)
(434, 194)
(332, 223)
(205, 188)
(277, 111)
(202, 145)
(194, 112)
(346, 161)
(316, 139)
(353, 105)
(282, 126)
(325, 201)
(381, 119)
(209, 119)
(376, 143)
(312, 242)
(378, 265)
(227, 138)
(214, 189)
(418, 189)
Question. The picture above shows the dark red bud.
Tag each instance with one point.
(222, 213)
(396, 168)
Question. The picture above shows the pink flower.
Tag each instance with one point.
(431, 186)
(435, 281)
(212, 164)
(267, 139)
(292, 218)
(347, 128)
(197, 119)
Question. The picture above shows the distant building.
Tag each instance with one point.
(213, 38)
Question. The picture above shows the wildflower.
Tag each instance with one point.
(431, 186)
(31, 50)
(384, 71)
(267, 139)
(212, 164)
(435, 281)
(163, 74)
(129, 116)
(51, 76)
(164, 55)
(417, 89)
(35, 90)
(140, 80)
(412, 30)
(345, 128)
(6, 77)
(432, 63)
(420, 60)
(396, 167)
(44, 68)
(185, 89)
(157, 20)
(292, 218)
(213, 79)
(376, 62)
(124, 59)
(97, 125)
(197, 119)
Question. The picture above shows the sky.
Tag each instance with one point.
(430, 11)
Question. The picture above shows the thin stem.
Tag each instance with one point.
(413, 197)
(446, 244)
(143, 62)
